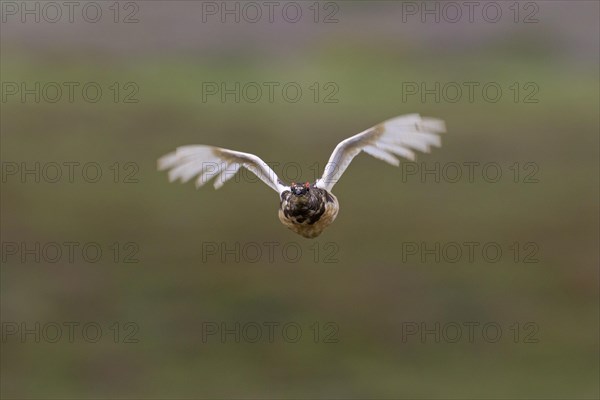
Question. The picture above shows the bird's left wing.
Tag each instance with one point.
(395, 137)
(207, 162)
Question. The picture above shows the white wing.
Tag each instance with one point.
(206, 162)
(397, 136)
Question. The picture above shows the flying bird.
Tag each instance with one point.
(308, 209)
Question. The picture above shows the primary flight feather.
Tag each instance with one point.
(308, 209)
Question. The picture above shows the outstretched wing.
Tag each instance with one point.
(207, 162)
(397, 136)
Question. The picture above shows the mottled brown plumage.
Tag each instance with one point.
(307, 210)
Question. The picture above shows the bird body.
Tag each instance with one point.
(308, 209)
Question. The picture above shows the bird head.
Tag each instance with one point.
(298, 189)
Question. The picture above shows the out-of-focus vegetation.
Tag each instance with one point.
(370, 292)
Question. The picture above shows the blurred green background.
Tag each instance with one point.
(372, 289)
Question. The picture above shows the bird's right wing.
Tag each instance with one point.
(207, 162)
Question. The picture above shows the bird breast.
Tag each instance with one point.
(308, 215)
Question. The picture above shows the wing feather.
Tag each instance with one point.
(226, 175)
(207, 162)
(381, 154)
(395, 137)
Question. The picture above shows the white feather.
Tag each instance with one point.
(397, 136)
(382, 155)
(226, 175)
(206, 162)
